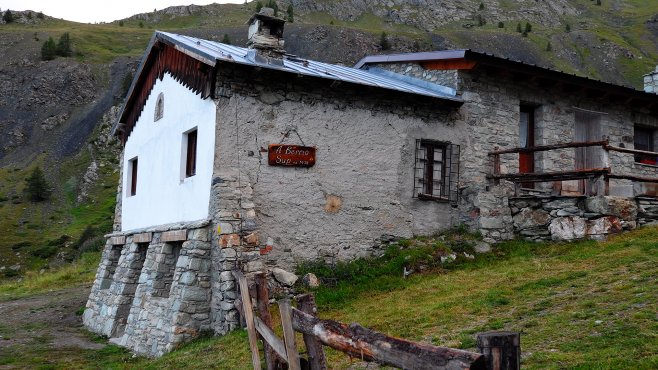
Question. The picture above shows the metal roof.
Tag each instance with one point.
(210, 51)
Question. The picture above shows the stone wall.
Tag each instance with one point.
(444, 78)
(153, 289)
(361, 189)
(571, 218)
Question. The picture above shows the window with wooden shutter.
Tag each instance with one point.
(132, 177)
(190, 159)
(436, 171)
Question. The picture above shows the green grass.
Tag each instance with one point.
(577, 305)
(80, 271)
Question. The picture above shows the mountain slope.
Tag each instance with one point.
(57, 114)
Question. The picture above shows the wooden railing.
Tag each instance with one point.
(589, 174)
(353, 339)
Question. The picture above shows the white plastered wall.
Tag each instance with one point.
(163, 194)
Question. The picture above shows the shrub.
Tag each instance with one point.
(49, 49)
(518, 28)
(383, 42)
(40, 15)
(501, 25)
(120, 23)
(291, 14)
(259, 6)
(549, 47)
(44, 252)
(568, 27)
(37, 187)
(8, 16)
(528, 27)
(141, 24)
(226, 39)
(64, 45)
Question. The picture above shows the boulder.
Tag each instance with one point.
(529, 218)
(604, 226)
(284, 277)
(624, 208)
(310, 280)
(567, 228)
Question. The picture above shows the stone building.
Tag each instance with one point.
(252, 158)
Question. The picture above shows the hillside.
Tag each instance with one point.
(58, 114)
(585, 305)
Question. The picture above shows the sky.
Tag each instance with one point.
(92, 11)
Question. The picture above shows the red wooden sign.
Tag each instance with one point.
(291, 155)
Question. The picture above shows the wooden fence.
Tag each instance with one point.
(587, 174)
(353, 339)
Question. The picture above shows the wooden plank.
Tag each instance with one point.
(316, 357)
(270, 337)
(449, 64)
(174, 236)
(632, 151)
(289, 334)
(290, 155)
(543, 148)
(118, 240)
(634, 178)
(369, 345)
(142, 238)
(249, 317)
(262, 304)
(553, 176)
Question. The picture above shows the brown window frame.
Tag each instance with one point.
(191, 152)
(650, 134)
(133, 165)
(425, 184)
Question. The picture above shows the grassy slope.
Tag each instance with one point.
(582, 305)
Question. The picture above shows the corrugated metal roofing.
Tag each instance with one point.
(210, 51)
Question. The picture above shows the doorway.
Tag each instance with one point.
(587, 128)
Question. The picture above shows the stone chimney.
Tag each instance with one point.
(266, 36)
(651, 82)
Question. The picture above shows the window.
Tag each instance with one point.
(132, 177)
(159, 108)
(189, 142)
(644, 138)
(436, 170)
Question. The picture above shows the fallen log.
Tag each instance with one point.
(372, 346)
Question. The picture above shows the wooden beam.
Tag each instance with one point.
(316, 357)
(369, 345)
(289, 334)
(249, 317)
(543, 148)
(552, 176)
(450, 64)
(270, 337)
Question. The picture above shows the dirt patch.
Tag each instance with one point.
(50, 320)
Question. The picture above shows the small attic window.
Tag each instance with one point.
(159, 108)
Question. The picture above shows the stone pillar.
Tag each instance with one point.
(651, 82)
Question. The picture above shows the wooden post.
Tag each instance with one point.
(262, 304)
(502, 349)
(316, 358)
(249, 318)
(496, 165)
(289, 334)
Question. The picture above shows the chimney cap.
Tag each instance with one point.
(266, 14)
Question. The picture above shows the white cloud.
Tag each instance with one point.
(98, 11)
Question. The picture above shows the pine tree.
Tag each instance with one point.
(528, 27)
(501, 25)
(29, 15)
(291, 15)
(481, 6)
(64, 45)
(8, 17)
(568, 27)
(141, 24)
(226, 40)
(37, 187)
(598, 2)
(549, 47)
(383, 42)
(40, 15)
(259, 6)
(518, 28)
(49, 49)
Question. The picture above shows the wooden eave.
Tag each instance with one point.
(196, 72)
